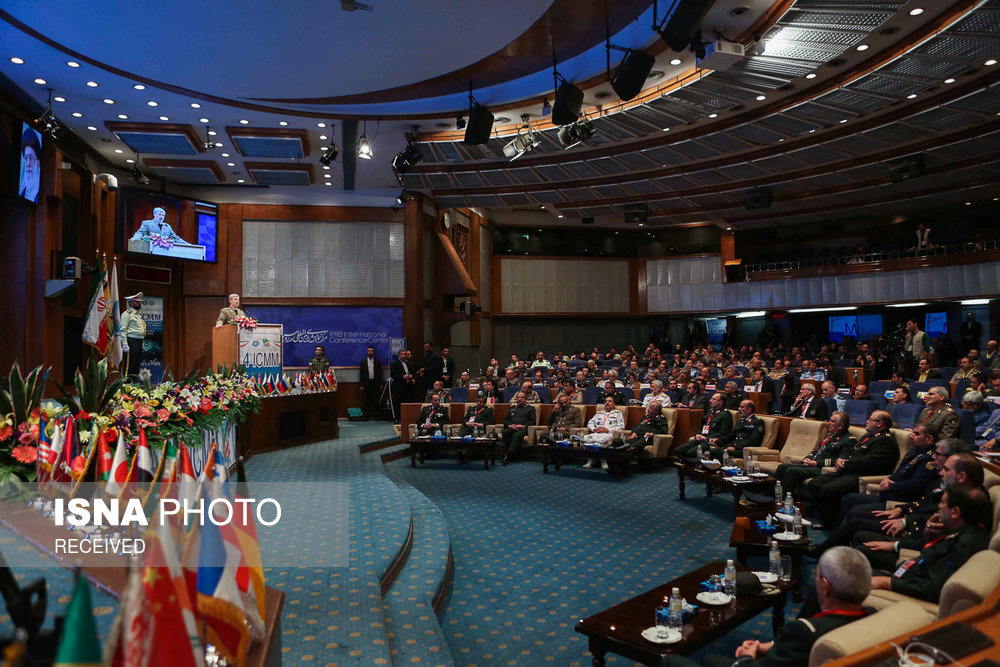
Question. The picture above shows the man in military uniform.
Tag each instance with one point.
(939, 412)
(508, 380)
(653, 423)
(231, 313)
(656, 395)
(530, 395)
(717, 422)
(133, 334)
(432, 417)
(515, 426)
(611, 391)
(748, 432)
(564, 417)
(438, 389)
(602, 426)
(732, 396)
(843, 581)
(960, 529)
(319, 363)
(875, 454)
(838, 444)
(479, 415)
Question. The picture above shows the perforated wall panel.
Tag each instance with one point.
(564, 286)
(695, 285)
(485, 252)
(323, 259)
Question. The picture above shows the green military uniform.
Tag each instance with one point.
(644, 431)
(874, 454)
(563, 420)
(229, 316)
(483, 415)
(530, 397)
(431, 419)
(833, 447)
(717, 424)
(445, 396)
(319, 365)
(133, 336)
(513, 438)
(748, 432)
(944, 418)
(923, 577)
(732, 402)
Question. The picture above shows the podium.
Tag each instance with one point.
(180, 250)
(259, 350)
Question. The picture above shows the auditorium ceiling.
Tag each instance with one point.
(829, 98)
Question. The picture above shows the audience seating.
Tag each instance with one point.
(918, 387)
(544, 393)
(508, 393)
(891, 621)
(659, 450)
(858, 411)
(947, 372)
(967, 587)
(496, 428)
(961, 386)
(869, 483)
(614, 434)
(643, 392)
(966, 425)
(803, 437)
(831, 405)
(459, 394)
(905, 415)
(877, 391)
(590, 395)
(412, 428)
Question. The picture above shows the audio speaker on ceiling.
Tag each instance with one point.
(907, 168)
(759, 198)
(632, 74)
(636, 213)
(568, 104)
(479, 127)
(736, 273)
(684, 22)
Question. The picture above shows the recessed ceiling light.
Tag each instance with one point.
(559, 216)
(761, 98)
(164, 118)
(729, 229)
(17, 61)
(123, 116)
(862, 47)
(675, 61)
(203, 120)
(916, 11)
(811, 75)
(59, 98)
(77, 114)
(108, 100)
(326, 166)
(41, 82)
(327, 175)
(225, 155)
(118, 150)
(843, 120)
(968, 203)
(328, 183)
(195, 105)
(92, 128)
(151, 103)
(211, 133)
(949, 81)
(320, 124)
(642, 224)
(323, 137)
(780, 140)
(73, 63)
(240, 180)
(230, 164)
(244, 121)
(218, 145)
(991, 62)
(92, 84)
(282, 122)
(130, 161)
(812, 130)
(713, 115)
(911, 96)
(139, 86)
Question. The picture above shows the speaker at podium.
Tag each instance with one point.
(259, 349)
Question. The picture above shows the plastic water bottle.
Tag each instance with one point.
(789, 505)
(725, 457)
(797, 523)
(777, 493)
(701, 453)
(730, 579)
(774, 559)
(676, 609)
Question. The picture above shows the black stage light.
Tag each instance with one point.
(406, 159)
(568, 104)
(632, 74)
(460, 122)
(759, 198)
(683, 22)
(480, 125)
(571, 135)
(403, 197)
(137, 175)
(587, 220)
(636, 213)
(329, 155)
(904, 169)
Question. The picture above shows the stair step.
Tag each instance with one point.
(379, 444)
(412, 626)
(400, 451)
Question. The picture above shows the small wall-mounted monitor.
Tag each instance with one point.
(936, 324)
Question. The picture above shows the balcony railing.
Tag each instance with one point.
(874, 257)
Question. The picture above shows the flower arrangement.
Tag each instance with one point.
(246, 322)
(20, 417)
(158, 241)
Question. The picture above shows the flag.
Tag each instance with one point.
(142, 462)
(115, 318)
(60, 469)
(119, 469)
(79, 646)
(188, 490)
(51, 461)
(104, 458)
(44, 450)
(95, 329)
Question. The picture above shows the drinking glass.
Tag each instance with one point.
(786, 568)
(662, 622)
(715, 581)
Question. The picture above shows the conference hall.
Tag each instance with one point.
(526, 332)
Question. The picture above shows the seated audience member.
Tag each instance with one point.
(509, 379)
(991, 359)
(973, 401)
(925, 372)
(463, 380)
(538, 378)
(602, 426)
(673, 391)
(519, 417)
(656, 395)
(898, 380)
(732, 396)
(790, 389)
(905, 521)
(432, 417)
(747, 432)
(837, 445)
(652, 423)
(960, 529)
(440, 391)
(861, 393)
(939, 412)
(521, 370)
(843, 581)
(875, 453)
(488, 389)
(812, 371)
(900, 396)
(530, 395)
(778, 371)
(965, 369)
(611, 391)
(716, 423)
(513, 362)
(564, 417)
(830, 391)
(612, 375)
(694, 398)
(994, 388)
(759, 382)
(978, 383)
(479, 415)
(986, 435)
(540, 361)
(807, 405)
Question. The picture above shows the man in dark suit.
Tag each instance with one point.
(478, 415)
(370, 379)
(694, 398)
(429, 372)
(444, 368)
(808, 405)
(838, 444)
(875, 454)
(762, 384)
(401, 373)
(925, 372)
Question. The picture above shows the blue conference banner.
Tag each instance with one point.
(345, 332)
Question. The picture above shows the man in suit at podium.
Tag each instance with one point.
(401, 375)
(370, 379)
(230, 313)
(156, 226)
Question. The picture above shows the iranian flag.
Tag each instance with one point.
(119, 469)
(80, 646)
(114, 319)
(95, 330)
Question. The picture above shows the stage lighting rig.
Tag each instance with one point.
(524, 142)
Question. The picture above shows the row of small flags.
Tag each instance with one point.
(280, 383)
(216, 584)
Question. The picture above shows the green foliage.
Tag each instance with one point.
(25, 393)
(95, 387)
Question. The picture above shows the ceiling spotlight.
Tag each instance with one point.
(139, 86)
(152, 103)
(403, 197)
(991, 62)
(59, 98)
(949, 80)
(77, 114)
(137, 175)
(195, 105)
(761, 98)
(916, 11)
(282, 123)
(47, 121)
(460, 122)
(320, 124)
(524, 142)
(862, 47)
(203, 120)
(568, 103)
(240, 180)
(108, 100)
(73, 63)
(675, 61)
(546, 107)
(811, 75)
(571, 135)
(17, 61)
(329, 155)
(41, 82)
(122, 116)
(92, 84)
(406, 159)
(208, 144)
(164, 118)
(92, 128)
(911, 96)
(364, 148)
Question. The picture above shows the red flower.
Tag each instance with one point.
(26, 438)
(25, 454)
(163, 414)
(111, 435)
(6, 432)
